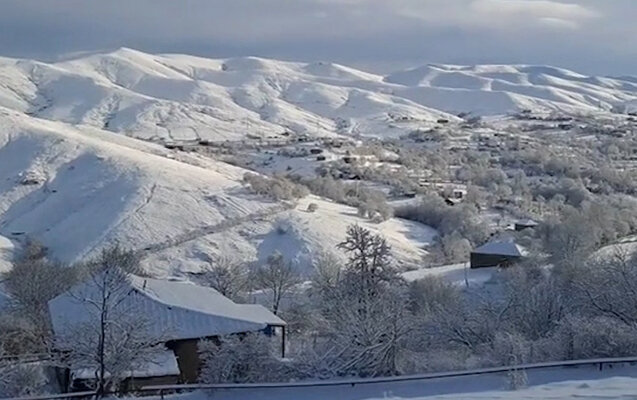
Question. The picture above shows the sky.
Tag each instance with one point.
(590, 36)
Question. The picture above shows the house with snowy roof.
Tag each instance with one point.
(179, 312)
(497, 254)
(524, 224)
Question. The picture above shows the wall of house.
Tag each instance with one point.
(187, 359)
(131, 385)
(491, 260)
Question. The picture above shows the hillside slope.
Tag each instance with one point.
(78, 189)
(178, 97)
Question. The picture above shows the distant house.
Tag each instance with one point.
(452, 201)
(497, 254)
(181, 313)
(524, 224)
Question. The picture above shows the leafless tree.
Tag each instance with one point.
(113, 337)
(21, 379)
(277, 276)
(31, 283)
(228, 276)
(240, 359)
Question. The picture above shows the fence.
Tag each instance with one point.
(162, 390)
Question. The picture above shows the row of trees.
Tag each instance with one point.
(362, 319)
(111, 339)
(358, 318)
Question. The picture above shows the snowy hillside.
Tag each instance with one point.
(166, 97)
(78, 189)
(67, 180)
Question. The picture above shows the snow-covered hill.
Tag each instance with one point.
(68, 181)
(78, 189)
(183, 97)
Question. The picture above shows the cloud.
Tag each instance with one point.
(509, 12)
(360, 32)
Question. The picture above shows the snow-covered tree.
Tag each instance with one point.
(31, 283)
(278, 277)
(228, 276)
(21, 379)
(240, 359)
(113, 338)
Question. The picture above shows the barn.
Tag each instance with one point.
(179, 312)
(497, 254)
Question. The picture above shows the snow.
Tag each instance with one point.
(183, 97)
(57, 122)
(300, 235)
(456, 274)
(7, 249)
(188, 209)
(617, 383)
(176, 310)
(504, 248)
(162, 363)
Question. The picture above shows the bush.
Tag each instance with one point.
(463, 219)
(278, 188)
(240, 359)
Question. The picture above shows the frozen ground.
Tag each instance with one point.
(552, 383)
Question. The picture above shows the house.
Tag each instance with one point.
(452, 201)
(524, 224)
(178, 312)
(497, 254)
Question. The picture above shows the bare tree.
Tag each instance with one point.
(240, 359)
(31, 283)
(369, 260)
(21, 379)
(277, 276)
(112, 337)
(228, 276)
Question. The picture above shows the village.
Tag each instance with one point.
(492, 214)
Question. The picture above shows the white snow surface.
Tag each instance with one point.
(504, 248)
(79, 189)
(177, 310)
(586, 383)
(456, 274)
(7, 249)
(179, 97)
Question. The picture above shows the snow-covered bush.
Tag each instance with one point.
(21, 380)
(278, 188)
(240, 359)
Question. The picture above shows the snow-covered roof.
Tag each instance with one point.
(502, 248)
(526, 222)
(162, 363)
(174, 310)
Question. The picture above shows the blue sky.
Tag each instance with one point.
(591, 36)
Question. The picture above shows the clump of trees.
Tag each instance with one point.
(370, 203)
(459, 227)
(278, 188)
